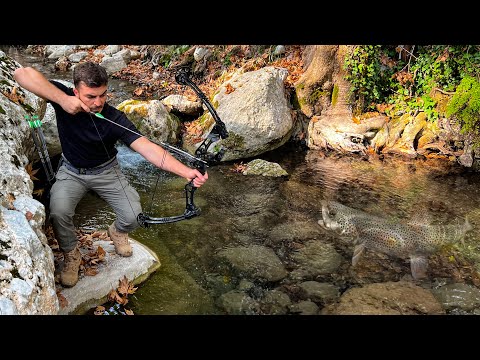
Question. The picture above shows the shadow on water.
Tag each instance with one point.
(280, 214)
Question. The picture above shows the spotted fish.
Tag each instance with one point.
(413, 241)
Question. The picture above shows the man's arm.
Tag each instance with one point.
(34, 81)
(161, 158)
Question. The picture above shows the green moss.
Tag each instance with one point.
(28, 108)
(234, 141)
(300, 86)
(301, 101)
(315, 95)
(138, 108)
(130, 102)
(205, 120)
(2, 111)
(465, 105)
(335, 95)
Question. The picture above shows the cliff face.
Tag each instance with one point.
(26, 260)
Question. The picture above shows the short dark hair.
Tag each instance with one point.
(92, 74)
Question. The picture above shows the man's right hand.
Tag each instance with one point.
(34, 81)
(73, 105)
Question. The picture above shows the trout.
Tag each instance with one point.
(406, 240)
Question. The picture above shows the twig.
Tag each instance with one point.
(445, 92)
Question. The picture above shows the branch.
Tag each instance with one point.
(445, 92)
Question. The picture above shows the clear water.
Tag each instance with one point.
(239, 210)
(244, 210)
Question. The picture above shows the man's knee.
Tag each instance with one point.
(59, 210)
(131, 221)
(128, 221)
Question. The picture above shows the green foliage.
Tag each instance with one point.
(227, 60)
(465, 105)
(405, 85)
(173, 52)
(369, 79)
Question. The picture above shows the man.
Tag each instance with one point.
(89, 158)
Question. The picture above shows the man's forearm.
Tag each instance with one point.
(160, 157)
(33, 81)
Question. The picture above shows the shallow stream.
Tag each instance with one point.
(278, 213)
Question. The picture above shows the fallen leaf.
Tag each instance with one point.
(99, 310)
(229, 89)
(128, 312)
(62, 301)
(39, 192)
(31, 172)
(100, 253)
(91, 271)
(125, 287)
(10, 199)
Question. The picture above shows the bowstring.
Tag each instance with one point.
(156, 183)
(116, 173)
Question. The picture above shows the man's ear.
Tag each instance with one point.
(75, 91)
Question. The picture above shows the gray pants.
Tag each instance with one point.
(69, 188)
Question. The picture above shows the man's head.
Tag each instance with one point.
(90, 80)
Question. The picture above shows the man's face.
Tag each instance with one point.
(93, 97)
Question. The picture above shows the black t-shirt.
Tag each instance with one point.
(79, 134)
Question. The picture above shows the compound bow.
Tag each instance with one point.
(200, 161)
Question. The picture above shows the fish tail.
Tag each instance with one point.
(418, 267)
(467, 226)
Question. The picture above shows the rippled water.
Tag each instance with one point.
(241, 210)
(245, 210)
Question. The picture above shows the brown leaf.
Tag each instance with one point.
(120, 299)
(239, 168)
(39, 192)
(31, 172)
(11, 199)
(123, 285)
(99, 310)
(13, 96)
(128, 312)
(101, 253)
(138, 91)
(126, 287)
(62, 301)
(91, 271)
(97, 234)
(29, 215)
(112, 295)
(229, 89)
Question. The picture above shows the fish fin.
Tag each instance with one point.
(357, 252)
(418, 267)
(466, 227)
(467, 224)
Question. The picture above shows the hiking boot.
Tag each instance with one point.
(71, 265)
(120, 241)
